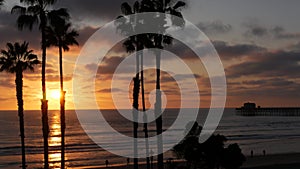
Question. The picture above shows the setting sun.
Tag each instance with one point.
(55, 94)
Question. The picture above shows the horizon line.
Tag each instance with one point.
(113, 109)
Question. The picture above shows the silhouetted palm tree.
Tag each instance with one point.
(61, 35)
(136, 43)
(145, 118)
(38, 11)
(127, 27)
(159, 40)
(16, 59)
(141, 42)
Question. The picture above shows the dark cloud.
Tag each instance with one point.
(273, 82)
(267, 87)
(228, 51)
(49, 78)
(91, 66)
(215, 27)
(276, 32)
(256, 30)
(10, 33)
(225, 50)
(186, 76)
(113, 61)
(7, 83)
(109, 90)
(265, 90)
(92, 9)
(108, 66)
(268, 64)
(85, 33)
(181, 50)
(280, 33)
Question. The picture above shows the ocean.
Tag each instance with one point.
(275, 135)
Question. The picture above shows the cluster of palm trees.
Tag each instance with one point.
(138, 42)
(55, 28)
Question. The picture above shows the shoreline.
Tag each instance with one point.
(272, 161)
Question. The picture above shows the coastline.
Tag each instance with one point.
(272, 161)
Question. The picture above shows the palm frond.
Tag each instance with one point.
(126, 9)
(129, 45)
(29, 2)
(50, 2)
(18, 10)
(17, 55)
(31, 57)
(58, 34)
(51, 38)
(136, 7)
(27, 21)
(179, 4)
(58, 17)
(34, 9)
(167, 39)
(177, 18)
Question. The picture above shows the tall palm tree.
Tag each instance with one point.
(16, 59)
(126, 27)
(145, 118)
(159, 41)
(136, 43)
(61, 35)
(141, 42)
(38, 12)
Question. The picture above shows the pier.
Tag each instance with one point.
(250, 109)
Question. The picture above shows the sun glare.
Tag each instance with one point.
(55, 94)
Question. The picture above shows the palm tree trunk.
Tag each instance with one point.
(44, 100)
(62, 109)
(19, 86)
(136, 89)
(144, 111)
(160, 158)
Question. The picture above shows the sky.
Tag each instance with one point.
(258, 42)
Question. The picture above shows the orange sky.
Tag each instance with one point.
(260, 53)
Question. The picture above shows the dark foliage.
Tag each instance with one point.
(212, 154)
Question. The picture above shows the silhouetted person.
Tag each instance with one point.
(128, 160)
(264, 152)
(106, 163)
(251, 153)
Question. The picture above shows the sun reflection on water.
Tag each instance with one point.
(55, 142)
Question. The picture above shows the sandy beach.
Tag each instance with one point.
(278, 161)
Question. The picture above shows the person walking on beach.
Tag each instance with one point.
(128, 160)
(264, 152)
(251, 153)
(106, 163)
